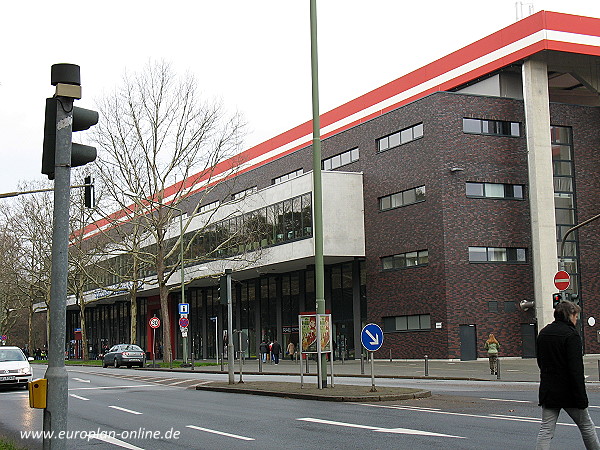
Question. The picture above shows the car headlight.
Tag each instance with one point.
(25, 371)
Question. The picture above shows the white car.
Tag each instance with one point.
(14, 367)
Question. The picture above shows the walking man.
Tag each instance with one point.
(275, 351)
(562, 383)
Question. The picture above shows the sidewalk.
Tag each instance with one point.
(511, 369)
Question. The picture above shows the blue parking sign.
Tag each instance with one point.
(371, 337)
(184, 308)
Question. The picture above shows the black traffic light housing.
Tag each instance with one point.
(556, 299)
(66, 75)
(88, 195)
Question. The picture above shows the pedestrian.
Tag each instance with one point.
(562, 382)
(275, 351)
(291, 350)
(264, 349)
(492, 346)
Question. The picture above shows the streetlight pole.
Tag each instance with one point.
(317, 186)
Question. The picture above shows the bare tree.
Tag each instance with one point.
(30, 220)
(159, 142)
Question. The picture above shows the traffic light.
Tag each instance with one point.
(88, 195)
(66, 79)
(223, 289)
(556, 299)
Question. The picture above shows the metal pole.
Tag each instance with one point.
(55, 414)
(230, 350)
(240, 347)
(317, 186)
(426, 365)
(372, 374)
(154, 347)
(497, 368)
(192, 353)
(362, 362)
(184, 338)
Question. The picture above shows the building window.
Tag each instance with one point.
(493, 307)
(340, 160)
(407, 323)
(400, 137)
(491, 127)
(403, 260)
(242, 194)
(208, 207)
(288, 176)
(404, 198)
(497, 254)
(494, 190)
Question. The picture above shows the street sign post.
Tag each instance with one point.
(562, 280)
(184, 322)
(184, 308)
(154, 324)
(371, 338)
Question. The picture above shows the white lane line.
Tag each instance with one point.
(112, 387)
(236, 436)
(506, 400)
(379, 429)
(81, 380)
(178, 382)
(124, 409)
(115, 441)
(476, 416)
(79, 397)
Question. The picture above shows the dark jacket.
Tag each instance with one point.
(560, 359)
(276, 348)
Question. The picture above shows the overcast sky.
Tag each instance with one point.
(253, 55)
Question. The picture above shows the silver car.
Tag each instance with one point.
(14, 367)
(124, 355)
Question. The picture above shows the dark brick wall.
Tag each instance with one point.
(452, 290)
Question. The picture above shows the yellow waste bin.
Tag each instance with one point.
(37, 393)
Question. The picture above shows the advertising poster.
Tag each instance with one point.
(325, 323)
(308, 330)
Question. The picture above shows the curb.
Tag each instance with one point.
(330, 398)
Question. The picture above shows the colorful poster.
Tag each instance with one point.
(325, 324)
(308, 328)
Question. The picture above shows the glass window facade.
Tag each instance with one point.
(287, 176)
(491, 127)
(341, 160)
(404, 260)
(497, 254)
(407, 323)
(401, 137)
(404, 198)
(494, 190)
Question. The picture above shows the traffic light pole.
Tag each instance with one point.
(55, 414)
(230, 348)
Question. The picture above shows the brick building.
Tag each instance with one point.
(447, 193)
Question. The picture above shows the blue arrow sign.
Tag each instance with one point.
(371, 337)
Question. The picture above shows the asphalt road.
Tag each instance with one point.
(122, 405)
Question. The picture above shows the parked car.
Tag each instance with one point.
(14, 367)
(124, 355)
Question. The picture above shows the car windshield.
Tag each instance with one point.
(131, 348)
(11, 355)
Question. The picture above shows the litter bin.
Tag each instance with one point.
(148, 356)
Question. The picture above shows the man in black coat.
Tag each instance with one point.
(275, 351)
(562, 383)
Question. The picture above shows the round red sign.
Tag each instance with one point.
(155, 322)
(562, 280)
(184, 322)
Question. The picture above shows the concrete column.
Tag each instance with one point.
(541, 187)
(357, 324)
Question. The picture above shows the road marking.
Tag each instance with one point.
(243, 438)
(125, 410)
(476, 416)
(79, 379)
(417, 408)
(77, 396)
(112, 387)
(506, 400)
(378, 429)
(115, 441)
(179, 382)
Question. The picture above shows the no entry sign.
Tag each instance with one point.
(562, 280)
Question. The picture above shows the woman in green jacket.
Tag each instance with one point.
(492, 346)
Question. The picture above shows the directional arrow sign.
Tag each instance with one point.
(371, 337)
